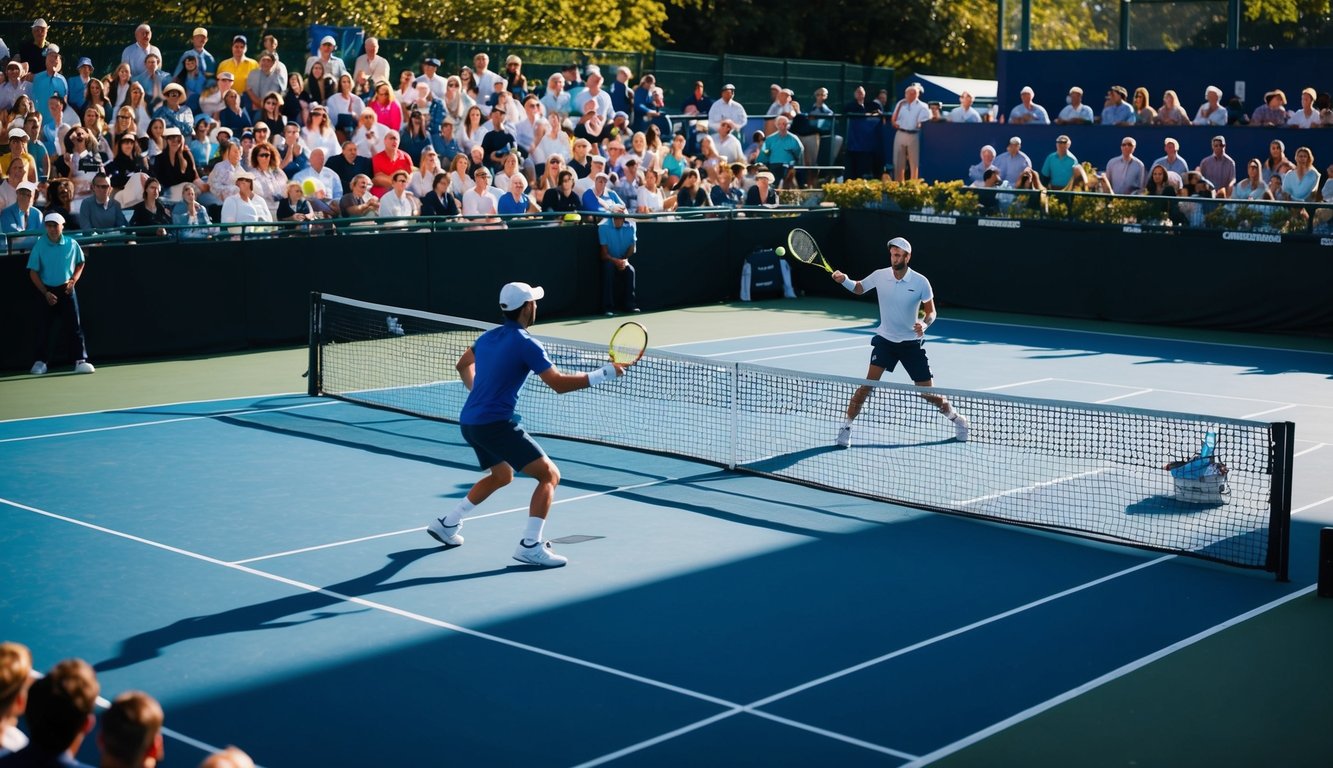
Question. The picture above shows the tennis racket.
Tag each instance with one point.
(628, 343)
(803, 249)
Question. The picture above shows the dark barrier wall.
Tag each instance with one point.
(157, 299)
(949, 149)
(1191, 278)
(1187, 72)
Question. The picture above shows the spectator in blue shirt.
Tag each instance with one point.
(55, 266)
(208, 63)
(47, 83)
(174, 112)
(782, 151)
(1028, 111)
(22, 216)
(617, 238)
(515, 201)
(446, 146)
(600, 198)
(1117, 112)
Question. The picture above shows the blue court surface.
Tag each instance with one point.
(261, 566)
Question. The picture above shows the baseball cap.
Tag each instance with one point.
(39, 23)
(171, 131)
(18, 133)
(901, 242)
(28, 185)
(601, 177)
(1076, 89)
(1016, 140)
(1028, 90)
(1062, 139)
(515, 295)
(199, 31)
(1120, 89)
(431, 61)
(250, 177)
(728, 87)
(226, 76)
(53, 218)
(328, 40)
(240, 39)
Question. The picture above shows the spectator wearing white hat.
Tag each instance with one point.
(1075, 112)
(1027, 111)
(245, 206)
(21, 215)
(55, 266)
(977, 173)
(333, 66)
(13, 86)
(726, 143)
(136, 54)
(964, 112)
(174, 111)
(208, 63)
(1212, 112)
(213, 100)
(1012, 162)
(1307, 116)
(762, 194)
(33, 52)
(727, 108)
(49, 82)
(18, 150)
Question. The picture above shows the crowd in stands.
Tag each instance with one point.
(155, 140)
(1216, 175)
(59, 711)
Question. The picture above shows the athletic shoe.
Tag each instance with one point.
(844, 439)
(395, 327)
(38, 368)
(539, 553)
(960, 428)
(445, 534)
(83, 366)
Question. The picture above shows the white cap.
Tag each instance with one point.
(171, 131)
(39, 24)
(54, 218)
(1028, 90)
(329, 39)
(765, 175)
(28, 185)
(515, 295)
(17, 133)
(901, 242)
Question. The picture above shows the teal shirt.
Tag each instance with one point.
(1059, 170)
(54, 263)
(783, 150)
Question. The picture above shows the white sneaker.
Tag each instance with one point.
(445, 534)
(38, 368)
(844, 438)
(539, 553)
(83, 366)
(960, 428)
(395, 327)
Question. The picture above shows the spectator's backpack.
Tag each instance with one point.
(765, 275)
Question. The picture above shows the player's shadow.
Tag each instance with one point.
(1169, 505)
(293, 610)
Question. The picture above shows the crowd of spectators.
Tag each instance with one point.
(59, 712)
(1216, 175)
(259, 136)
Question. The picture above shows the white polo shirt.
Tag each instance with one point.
(899, 301)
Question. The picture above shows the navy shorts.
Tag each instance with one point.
(502, 441)
(912, 354)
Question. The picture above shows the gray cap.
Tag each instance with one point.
(902, 243)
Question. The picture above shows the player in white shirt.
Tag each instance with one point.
(906, 310)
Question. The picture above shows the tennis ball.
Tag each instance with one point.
(308, 187)
(573, 217)
(780, 251)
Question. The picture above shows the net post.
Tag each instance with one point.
(735, 416)
(1283, 442)
(313, 377)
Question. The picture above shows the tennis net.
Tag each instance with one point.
(1095, 471)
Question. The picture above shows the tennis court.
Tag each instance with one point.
(259, 564)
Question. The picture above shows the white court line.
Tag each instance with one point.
(523, 508)
(804, 354)
(237, 412)
(103, 704)
(1033, 711)
(1196, 394)
(300, 585)
(1136, 336)
(1033, 487)
(776, 346)
(1311, 506)
(1135, 393)
(155, 405)
(753, 707)
(1015, 384)
(1257, 414)
(866, 325)
(1316, 447)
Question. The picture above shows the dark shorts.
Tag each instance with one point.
(912, 354)
(502, 441)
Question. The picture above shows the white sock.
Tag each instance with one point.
(951, 414)
(533, 534)
(848, 422)
(463, 508)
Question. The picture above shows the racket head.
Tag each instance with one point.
(801, 246)
(628, 343)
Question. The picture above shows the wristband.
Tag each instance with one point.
(849, 284)
(601, 375)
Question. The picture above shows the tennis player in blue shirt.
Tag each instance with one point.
(906, 310)
(494, 369)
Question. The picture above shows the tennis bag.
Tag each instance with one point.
(1201, 479)
(765, 275)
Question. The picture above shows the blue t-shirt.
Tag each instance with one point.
(618, 240)
(504, 357)
(54, 263)
(508, 204)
